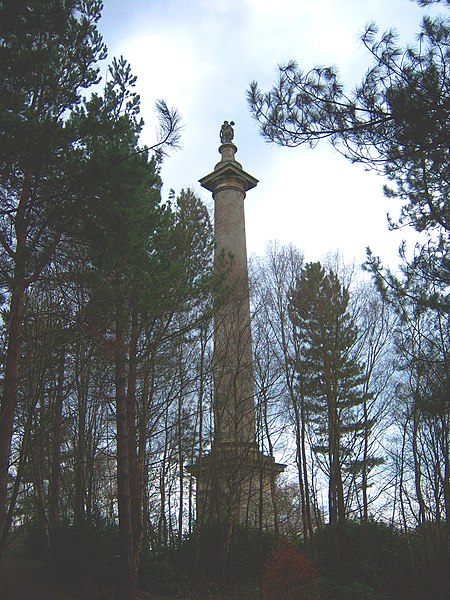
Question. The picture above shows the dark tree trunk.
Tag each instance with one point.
(136, 485)
(55, 467)
(308, 517)
(82, 376)
(127, 583)
(300, 460)
(13, 358)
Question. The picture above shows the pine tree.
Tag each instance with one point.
(49, 54)
(328, 377)
(394, 122)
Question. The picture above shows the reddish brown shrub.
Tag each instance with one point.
(289, 575)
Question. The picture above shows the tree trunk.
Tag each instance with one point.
(127, 583)
(300, 460)
(309, 523)
(55, 467)
(272, 482)
(13, 358)
(82, 382)
(142, 454)
(446, 449)
(162, 521)
(180, 460)
(417, 467)
(136, 484)
(202, 385)
(365, 469)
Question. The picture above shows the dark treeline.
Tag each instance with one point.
(106, 354)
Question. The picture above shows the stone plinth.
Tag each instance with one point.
(235, 482)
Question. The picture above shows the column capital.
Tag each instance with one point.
(229, 173)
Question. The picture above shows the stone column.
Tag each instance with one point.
(235, 480)
(233, 372)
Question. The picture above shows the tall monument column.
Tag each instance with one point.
(235, 480)
(233, 371)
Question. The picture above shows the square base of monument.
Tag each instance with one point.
(236, 482)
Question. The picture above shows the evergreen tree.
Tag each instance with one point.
(395, 121)
(122, 223)
(48, 55)
(73, 182)
(328, 377)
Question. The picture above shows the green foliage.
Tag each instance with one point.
(378, 562)
(329, 378)
(196, 567)
(136, 245)
(249, 551)
(381, 562)
(193, 569)
(49, 54)
(119, 217)
(319, 309)
(395, 121)
(85, 559)
(162, 576)
(119, 196)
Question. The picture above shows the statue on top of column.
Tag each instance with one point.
(227, 132)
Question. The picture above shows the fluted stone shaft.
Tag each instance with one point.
(233, 373)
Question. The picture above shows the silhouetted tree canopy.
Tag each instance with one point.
(395, 121)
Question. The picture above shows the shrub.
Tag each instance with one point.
(289, 575)
(247, 553)
(85, 559)
(160, 576)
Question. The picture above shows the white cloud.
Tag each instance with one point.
(201, 55)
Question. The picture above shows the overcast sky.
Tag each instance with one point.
(200, 56)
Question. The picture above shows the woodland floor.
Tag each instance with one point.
(27, 579)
